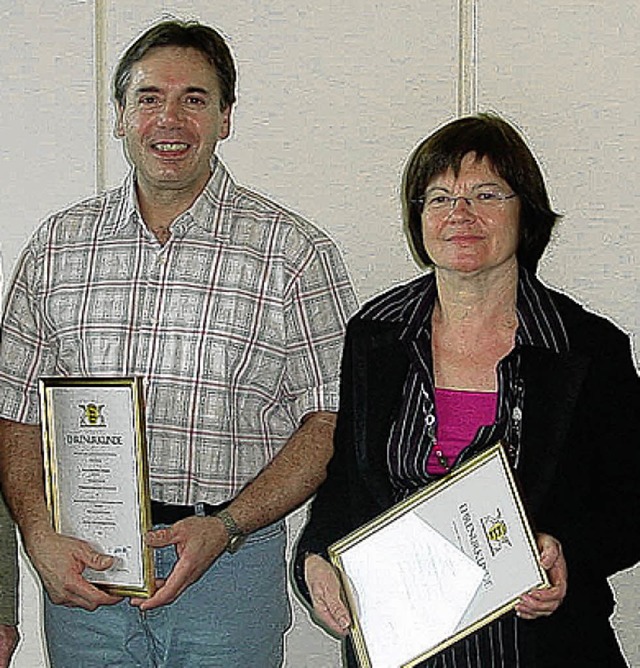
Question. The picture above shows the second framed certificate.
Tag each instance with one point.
(439, 565)
(96, 474)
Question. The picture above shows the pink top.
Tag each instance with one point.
(460, 413)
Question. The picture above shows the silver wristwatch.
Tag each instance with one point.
(234, 532)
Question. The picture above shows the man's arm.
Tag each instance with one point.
(8, 643)
(8, 587)
(59, 560)
(289, 480)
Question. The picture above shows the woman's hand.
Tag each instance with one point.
(326, 594)
(543, 602)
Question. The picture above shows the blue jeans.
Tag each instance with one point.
(234, 616)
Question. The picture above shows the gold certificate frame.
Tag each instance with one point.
(96, 474)
(439, 565)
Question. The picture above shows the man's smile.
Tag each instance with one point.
(170, 147)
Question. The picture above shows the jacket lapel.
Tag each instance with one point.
(552, 386)
(380, 368)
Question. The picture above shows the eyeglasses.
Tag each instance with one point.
(439, 204)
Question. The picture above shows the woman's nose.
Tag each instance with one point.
(461, 207)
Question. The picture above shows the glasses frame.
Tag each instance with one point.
(471, 201)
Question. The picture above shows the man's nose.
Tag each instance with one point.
(171, 113)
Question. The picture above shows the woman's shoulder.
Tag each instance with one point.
(395, 304)
(587, 329)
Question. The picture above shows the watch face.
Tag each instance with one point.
(236, 537)
(235, 543)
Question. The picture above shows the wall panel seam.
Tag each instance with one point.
(467, 89)
(101, 78)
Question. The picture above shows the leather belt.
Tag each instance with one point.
(165, 513)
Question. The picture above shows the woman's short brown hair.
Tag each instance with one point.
(486, 135)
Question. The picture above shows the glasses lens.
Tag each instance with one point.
(440, 203)
(484, 199)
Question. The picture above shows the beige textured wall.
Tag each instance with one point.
(333, 96)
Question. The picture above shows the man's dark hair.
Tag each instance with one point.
(486, 135)
(186, 34)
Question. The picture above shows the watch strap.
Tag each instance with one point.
(234, 532)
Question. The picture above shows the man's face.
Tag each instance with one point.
(171, 120)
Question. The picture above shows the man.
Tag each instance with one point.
(232, 310)
(8, 586)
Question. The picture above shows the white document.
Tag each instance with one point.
(438, 565)
(413, 589)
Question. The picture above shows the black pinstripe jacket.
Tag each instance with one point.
(579, 469)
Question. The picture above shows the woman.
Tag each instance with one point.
(475, 351)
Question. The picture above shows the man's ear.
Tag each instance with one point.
(118, 128)
(225, 128)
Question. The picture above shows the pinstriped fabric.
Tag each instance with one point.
(539, 324)
(235, 324)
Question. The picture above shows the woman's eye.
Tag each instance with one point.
(488, 196)
(438, 200)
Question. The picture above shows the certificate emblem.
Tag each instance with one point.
(496, 531)
(92, 415)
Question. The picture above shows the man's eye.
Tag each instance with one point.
(148, 100)
(195, 101)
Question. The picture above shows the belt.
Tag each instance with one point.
(165, 513)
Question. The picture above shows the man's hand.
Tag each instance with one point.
(8, 643)
(326, 594)
(60, 561)
(543, 602)
(199, 542)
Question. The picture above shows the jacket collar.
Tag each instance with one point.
(411, 305)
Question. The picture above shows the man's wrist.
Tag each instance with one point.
(235, 536)
(34, 531)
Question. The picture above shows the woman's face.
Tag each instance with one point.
(475, 234)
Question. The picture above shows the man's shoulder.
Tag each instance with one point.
(253, 210)
(250, 202)
(79, 219)
(250, 214)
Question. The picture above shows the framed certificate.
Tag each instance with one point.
(439, 565)
(96, 474)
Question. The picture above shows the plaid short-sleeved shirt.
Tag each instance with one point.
(235, 325)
